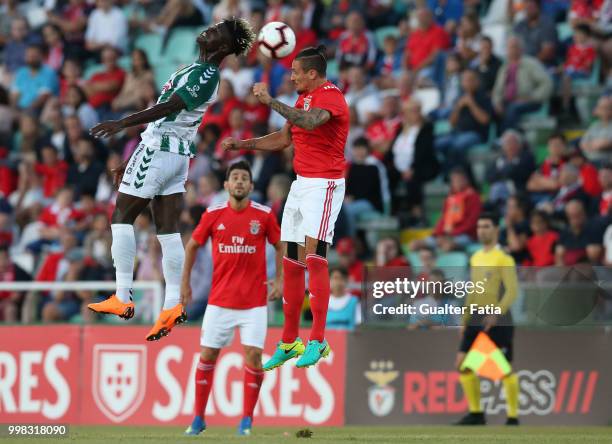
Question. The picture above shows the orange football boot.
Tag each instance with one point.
(114, 306)
(166, 321)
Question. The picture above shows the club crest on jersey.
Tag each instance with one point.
(255, 225)
(307, 101)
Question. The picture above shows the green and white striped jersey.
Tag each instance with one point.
(197, 85)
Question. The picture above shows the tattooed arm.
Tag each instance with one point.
(307, 120)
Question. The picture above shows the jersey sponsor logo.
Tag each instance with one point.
(237, 247)
(255, 225)
(193, 90)
(119, 382)
(220, 227)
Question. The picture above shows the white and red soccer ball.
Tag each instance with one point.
(276, 40)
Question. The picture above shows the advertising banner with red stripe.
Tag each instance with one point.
(111, 375)
(408, 378)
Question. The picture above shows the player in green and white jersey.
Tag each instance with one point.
(157, 170)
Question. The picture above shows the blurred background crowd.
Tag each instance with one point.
(456, 106)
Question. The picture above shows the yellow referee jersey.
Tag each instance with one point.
(496, 271)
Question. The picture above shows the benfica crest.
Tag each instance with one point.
(255, 226)
(307, 101)
(381, 396)
(119, 379)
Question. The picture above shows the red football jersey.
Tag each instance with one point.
(320, 152)
(238, 252)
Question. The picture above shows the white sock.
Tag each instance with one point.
(173, 257)
(123, 251)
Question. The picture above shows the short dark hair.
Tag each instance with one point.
(242, 35)
(490, 215)
(343, 271)
(361, 141)
(542, 215)
(584, 28)
(240, 165)
(557, 135)
(313, 58)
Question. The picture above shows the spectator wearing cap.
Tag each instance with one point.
(456, 227)
(538, 33)
(344, 310)
(356, 45)
(597, 141)
(470, 118)
(522, 86)
(605, 179)
(544, 182)
(580, 241)
(509, 173)
(34, 83)
(107, 25)
(487, 64)
(10, 301)
(425, 43)
(411, 161)
(347, 258)
(542, 242)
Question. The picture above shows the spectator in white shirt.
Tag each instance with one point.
(107, 25)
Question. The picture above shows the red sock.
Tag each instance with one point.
(203, 383)
(293, 297)
(252, 383)
(318, 286)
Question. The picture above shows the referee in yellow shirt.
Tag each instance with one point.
(497, 271)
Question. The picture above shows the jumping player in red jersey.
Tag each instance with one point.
(238, 230)
(318, 127)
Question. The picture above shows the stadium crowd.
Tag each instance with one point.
(428, 84)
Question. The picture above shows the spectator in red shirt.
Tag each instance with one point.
(356, 46)
(542, 242)
(389, 253)
(605, 178)
(588, 172)
(104, 86)
(425, 43)
(255, 112)
(570, 188)
(578, 62)
(52, 170)
(304, 37)
(382, 131)
(218, 113)
(456, 227)
(544, 182)
(58, 216)
(347, 258)
(237, 129)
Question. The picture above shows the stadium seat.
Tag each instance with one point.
(442, 127)
(564, 31)
(452, 259)
(181, 47)
(332, 69)
(152, 45)
(163, 71)
(382, 33)
(125, 62)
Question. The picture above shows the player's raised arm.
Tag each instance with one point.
(156, 112)
(307, 120)
(276, 141)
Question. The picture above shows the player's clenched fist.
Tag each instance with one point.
(260, 90)
(230, 144)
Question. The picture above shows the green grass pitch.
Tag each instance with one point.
(334, 435)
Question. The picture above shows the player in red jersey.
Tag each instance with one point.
(238, 230)
(317, 126)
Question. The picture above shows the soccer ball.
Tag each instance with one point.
(276, 40)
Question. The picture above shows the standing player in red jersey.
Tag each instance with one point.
(239, 229)
(317, 126)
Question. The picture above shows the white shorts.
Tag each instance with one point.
(152, 172)
(219, 324)
(311, 209)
